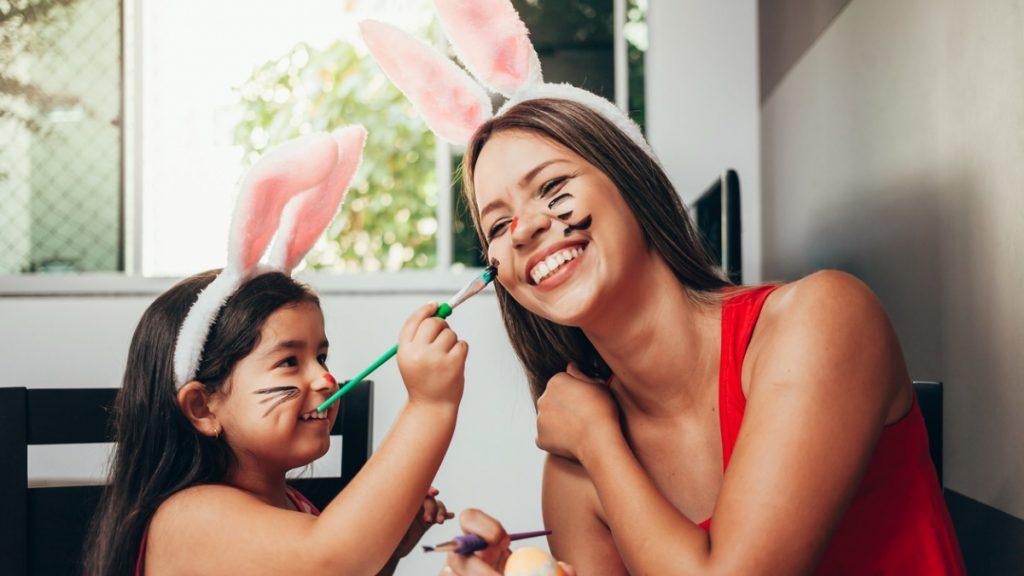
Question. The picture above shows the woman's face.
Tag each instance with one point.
(268, 405)
(564, 238)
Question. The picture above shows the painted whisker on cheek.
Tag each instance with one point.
(581, 225)
(280, 394)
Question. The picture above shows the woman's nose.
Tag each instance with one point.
(528, 226)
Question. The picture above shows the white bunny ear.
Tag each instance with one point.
(277, 177)
(452, 104)
(492, 41)
(305, 217)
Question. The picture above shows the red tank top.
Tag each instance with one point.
(301, 503)
(898, 522)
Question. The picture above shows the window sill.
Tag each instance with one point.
(120, 285)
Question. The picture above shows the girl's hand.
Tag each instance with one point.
(574, 414)
(431, 359)
(432, 512)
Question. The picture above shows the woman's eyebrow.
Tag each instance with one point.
(523, 183)
(529, 176)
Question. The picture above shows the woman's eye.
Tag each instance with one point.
(322, 359)
(289, 362)
(497, 229)
(550, 185)
(558, 200)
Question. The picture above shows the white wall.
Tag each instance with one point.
(894, 148)
(492, 464)
(703, 111)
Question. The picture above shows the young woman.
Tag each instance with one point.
(693, 427)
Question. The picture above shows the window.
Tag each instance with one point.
(209, 86)
(60, 124)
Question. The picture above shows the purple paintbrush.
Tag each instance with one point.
(466, 544)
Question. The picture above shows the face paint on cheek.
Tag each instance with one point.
(280, 394)
(581, 225)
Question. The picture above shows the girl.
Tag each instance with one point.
(666, 396)
(198, 477)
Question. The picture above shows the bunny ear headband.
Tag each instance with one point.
(295, 189)
(491, 40)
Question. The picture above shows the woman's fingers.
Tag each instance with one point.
(566, 569)
(467, 566)
(442, 513)
(429, 510)
(474, 521)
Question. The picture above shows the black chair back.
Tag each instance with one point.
(929, 398)
(44, 527)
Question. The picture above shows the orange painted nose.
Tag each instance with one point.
(330, 378)
(515, 223)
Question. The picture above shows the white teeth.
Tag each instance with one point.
(549, 265)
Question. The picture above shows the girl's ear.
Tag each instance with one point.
(194, 400)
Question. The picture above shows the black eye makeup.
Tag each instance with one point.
(278, 395)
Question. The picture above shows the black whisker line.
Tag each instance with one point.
(275, 389)
(581, 225)
(286, 396)
(565, 216)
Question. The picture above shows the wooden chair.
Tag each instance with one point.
(44, 528)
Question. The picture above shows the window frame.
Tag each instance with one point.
(130, 282)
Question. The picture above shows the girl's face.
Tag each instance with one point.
(268, 405)
(564, 238)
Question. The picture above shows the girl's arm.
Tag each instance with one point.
(822, 389)
(223, 530)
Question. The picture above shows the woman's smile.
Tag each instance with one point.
(553, 266)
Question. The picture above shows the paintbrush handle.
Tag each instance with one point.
(443, 311)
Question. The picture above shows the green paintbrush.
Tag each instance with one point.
(443, 311)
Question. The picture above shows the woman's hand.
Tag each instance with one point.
(489, 562)
(575, 414)
(431, 358)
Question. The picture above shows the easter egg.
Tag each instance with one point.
(532, 562)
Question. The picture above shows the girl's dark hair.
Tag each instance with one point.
(158, 452)
(545, 347)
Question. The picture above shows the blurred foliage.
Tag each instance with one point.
(389, 218)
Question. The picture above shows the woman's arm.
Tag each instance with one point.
(578, 535)
(821, 390)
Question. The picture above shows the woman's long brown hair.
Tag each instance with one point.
(544, 347)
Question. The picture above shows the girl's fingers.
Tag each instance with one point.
(442, 513)
(429, 510)
(428, 330)
(413, 321)
(446, 339)
(568, 570)
(432, 492)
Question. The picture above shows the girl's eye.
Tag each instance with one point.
(322, 359)
(497, 229)
(289, 362)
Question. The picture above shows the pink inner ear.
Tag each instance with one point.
(278, 176)
(492, 41)
(452, 104)
(318, 206)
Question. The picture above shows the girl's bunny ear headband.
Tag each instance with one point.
(295, 189)
(491, 40)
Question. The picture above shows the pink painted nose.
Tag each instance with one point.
(330, 378)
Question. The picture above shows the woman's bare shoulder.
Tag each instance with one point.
(829, 320)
